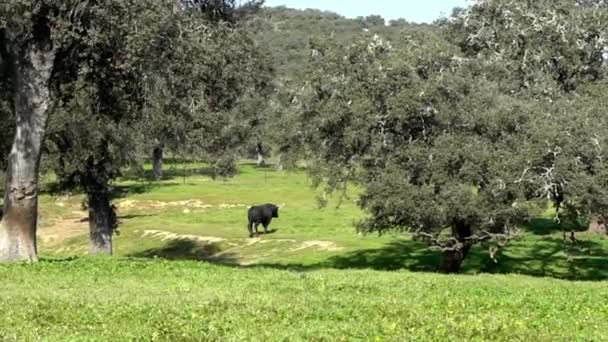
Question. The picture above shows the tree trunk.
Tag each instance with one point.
(452, 259)
(32, 65)
(102, 218)
(157, 162)
(260, 152)
(280, 163)
(102, 221)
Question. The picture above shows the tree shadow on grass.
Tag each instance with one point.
(401, 254)
(122, 191)
(552, 257)
(540, 257)
(187, 249)
(172, 171)
(548, 226)
(118, 191)
(396, 255)
(549, 257)
(267, 166)
(134, 216)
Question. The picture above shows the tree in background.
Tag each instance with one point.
(286, 33)
(232, 78)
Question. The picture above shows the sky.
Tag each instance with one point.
(412, 10)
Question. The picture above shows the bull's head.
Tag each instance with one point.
(275, 211)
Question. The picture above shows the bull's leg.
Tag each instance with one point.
(255, 228)
(250, 229)
(266, 224)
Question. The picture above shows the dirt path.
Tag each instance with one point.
(62, 229)
(240, 249)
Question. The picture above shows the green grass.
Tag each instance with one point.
(313, 278)
(137, 299)
(219, 211)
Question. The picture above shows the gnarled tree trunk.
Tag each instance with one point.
(452, 259)
(32, 65)
(157, 162)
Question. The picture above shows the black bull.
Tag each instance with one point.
(261, 214)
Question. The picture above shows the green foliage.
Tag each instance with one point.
(207, 92)
(534, 46)
(432, 147)
(546, 50)
(463, 128)
(180, 82)
(287, 33)
(223, 10)
(224, 167)
(95, 130)
(566, 162)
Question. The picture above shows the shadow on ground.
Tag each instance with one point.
(175, 169)
(118, 191)
(546, 257)
(548, 226)
(186, 249)
(552, 257)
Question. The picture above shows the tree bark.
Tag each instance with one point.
(32, 65)
(260, 152)
(452, 259)
(280, 163)
(102, 218)
(102, 221)
(157, 162)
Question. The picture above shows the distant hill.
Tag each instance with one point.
(287, 33)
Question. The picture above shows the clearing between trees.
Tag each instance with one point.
(186, 269)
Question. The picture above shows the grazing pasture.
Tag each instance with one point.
(157, 162)
(196, 218)
(186, 269)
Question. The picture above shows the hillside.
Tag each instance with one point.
(287, 32)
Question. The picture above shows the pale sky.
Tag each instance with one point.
(412, 10)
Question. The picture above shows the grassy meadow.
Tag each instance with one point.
(184, 269)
